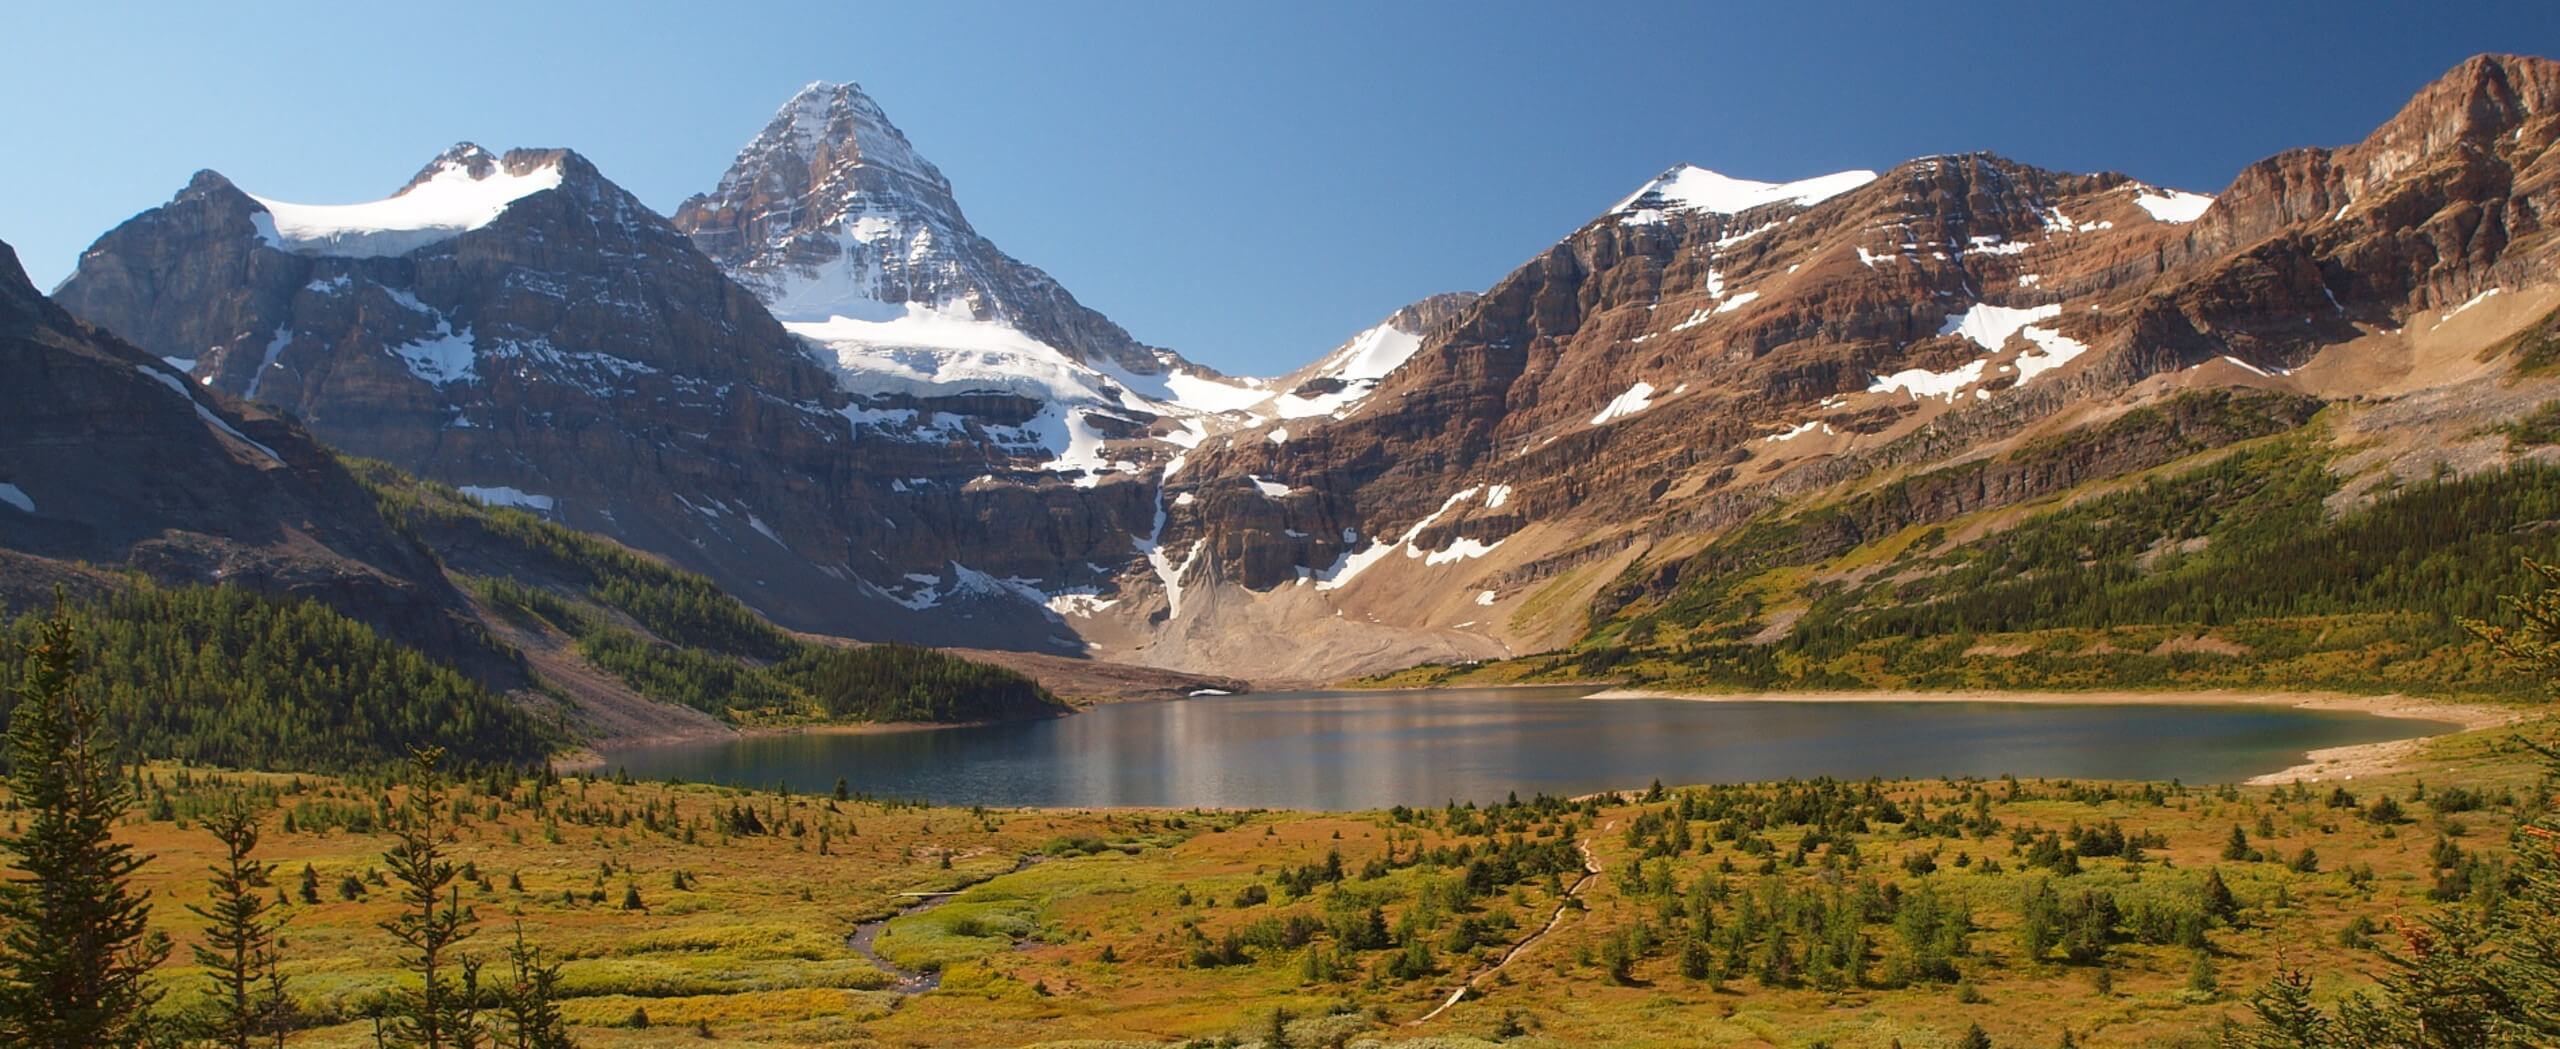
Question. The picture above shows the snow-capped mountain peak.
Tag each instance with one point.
(855, 242)
(853, 158)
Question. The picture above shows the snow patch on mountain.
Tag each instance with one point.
(1692, 188)
(266, 361)
(2170, 205)
(965, 583)
(1799, 430)
(1990, 326)
(1921, 382)
(2052, 350)
(1344, 377)
(447, 203)
(1637, 398)
(2466, 306)
(446, 357)
(1459, 549)
(1069, 432)
(17, 497)
(922, 351)
(1353, 562)
(505, 495)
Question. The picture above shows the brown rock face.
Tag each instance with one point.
(1666, 373)
(2447, 198)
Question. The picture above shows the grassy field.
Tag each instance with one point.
(1841, 914)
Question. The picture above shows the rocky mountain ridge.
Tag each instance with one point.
(864, 419)
(1668, 372)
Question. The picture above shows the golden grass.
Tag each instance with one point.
(1097, 947)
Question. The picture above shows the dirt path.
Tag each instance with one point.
(1590, 873)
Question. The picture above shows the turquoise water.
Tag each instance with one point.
(1357, 750)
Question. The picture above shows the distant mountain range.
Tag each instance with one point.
(819, 386)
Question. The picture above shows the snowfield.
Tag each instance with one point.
(502, 495)
(2172, 205)
(1637, 398)
(1692, 188)
(1990, 326)
(447, 204)
(1358, 366)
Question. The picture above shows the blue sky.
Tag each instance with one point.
(1246, 183)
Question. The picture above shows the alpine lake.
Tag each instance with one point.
(1377, 749)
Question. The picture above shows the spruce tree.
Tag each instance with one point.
(76, 953)
(240, 950)
(440, 1012)
(530, 1004)
(2218, 900)
(2287, 1018)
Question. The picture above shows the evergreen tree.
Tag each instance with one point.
(240, 950)
(439, 1013)
(2287, 1018)
(530, 1004)
(76, 950)
(2218, 900)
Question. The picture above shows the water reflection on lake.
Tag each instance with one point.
(1351, 750)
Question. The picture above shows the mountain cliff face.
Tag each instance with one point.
(110, 459)
(821, 386)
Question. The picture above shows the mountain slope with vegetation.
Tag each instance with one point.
(2214, 540)
(673, 636)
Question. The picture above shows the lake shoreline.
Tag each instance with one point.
(2347, 762)
(587, 758)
